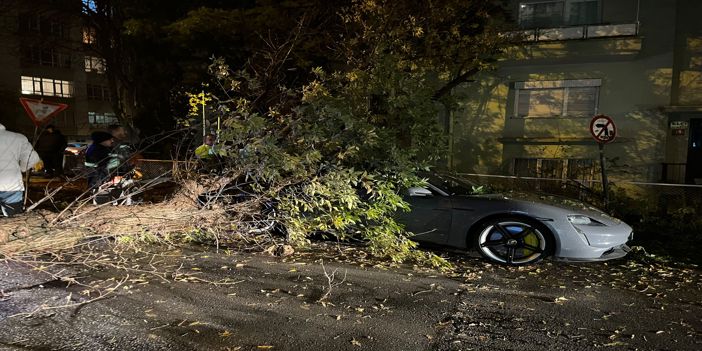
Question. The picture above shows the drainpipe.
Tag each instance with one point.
(638, 10)
(450, 137)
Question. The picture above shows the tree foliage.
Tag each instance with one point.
(453, 39)
(331, 164)
(157, 49)
(337, 151)
(332, 105)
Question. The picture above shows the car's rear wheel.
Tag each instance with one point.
(513, 241)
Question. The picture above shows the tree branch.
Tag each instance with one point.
(462, 78)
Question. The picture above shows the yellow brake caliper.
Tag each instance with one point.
(532, 240)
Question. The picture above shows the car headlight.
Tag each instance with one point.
(583, 220)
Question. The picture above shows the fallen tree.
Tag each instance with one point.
(180, 218)
(332, 153)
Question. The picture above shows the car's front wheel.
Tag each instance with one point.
(513, 241)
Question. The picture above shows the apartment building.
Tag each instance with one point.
(46, 54)
(638, 61)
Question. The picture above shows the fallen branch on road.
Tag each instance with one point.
(331, 282)
(103, 294)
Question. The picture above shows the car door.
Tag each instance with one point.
(430, 216)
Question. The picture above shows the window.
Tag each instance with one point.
(29, 22)
(556, 13)
(37, 23)
(102, 118)
(89, 35)
(94, 64)
(57, 29)
(98, 92)
(561, 98)
(45, 56)
(46, 87)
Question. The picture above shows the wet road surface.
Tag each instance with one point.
(207, 300)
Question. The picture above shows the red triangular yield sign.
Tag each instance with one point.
(41, 111)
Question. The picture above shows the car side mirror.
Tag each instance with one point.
(418, 192)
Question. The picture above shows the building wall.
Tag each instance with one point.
(11, 112)
(73, 121)
(637, 74)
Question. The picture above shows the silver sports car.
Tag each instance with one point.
(508, 230)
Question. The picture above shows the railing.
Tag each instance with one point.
(579, 32)
(630, 198)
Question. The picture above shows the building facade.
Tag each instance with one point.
(638, 61)
(46, 54)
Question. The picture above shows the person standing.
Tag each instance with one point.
(97, 158)
(50, 147)
(123, 154)
(207, 150)
(17, 156)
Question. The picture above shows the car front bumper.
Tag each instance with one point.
(592, 243)
(609, 254)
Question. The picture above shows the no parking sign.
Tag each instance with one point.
(603, 129)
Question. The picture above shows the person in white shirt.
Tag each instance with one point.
(17, 156)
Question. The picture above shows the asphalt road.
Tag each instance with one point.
(207, 300)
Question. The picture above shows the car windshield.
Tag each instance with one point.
(453, 186)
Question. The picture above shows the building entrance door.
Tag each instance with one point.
(693, 174)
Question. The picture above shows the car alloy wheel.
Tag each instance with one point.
(513, 241)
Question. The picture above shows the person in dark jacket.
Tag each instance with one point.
(97, 158)
(50, 147)
(123, 156)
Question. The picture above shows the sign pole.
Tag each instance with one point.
(604, 131)
(204, 127)
(605, 183)
(29, 171)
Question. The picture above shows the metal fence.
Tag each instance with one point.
(633, 198)
(150, 169)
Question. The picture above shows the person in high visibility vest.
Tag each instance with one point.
(207, 150)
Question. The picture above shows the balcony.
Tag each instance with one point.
(578, 32)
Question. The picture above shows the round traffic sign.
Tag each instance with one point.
(603, 129)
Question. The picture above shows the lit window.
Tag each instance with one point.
(556, 13)
(89, 35)
(46, 87)
(94, 64)
(102, 118)
(569, 98)
(27, 85)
